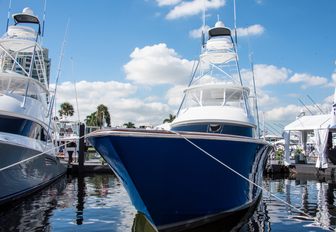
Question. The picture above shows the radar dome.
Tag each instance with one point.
(219, 24)
(28, 11)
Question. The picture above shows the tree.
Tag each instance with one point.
(98, 117)
(102, 113)
(66, 109)
(170, 118)
(91, 120)
(129, 125)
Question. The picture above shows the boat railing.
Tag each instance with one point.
(26, 59)
(20, 33)
(221, 96)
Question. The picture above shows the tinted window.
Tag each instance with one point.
(22, 127)
(217, 128)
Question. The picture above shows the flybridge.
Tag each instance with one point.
(27, 16)
(219, 30)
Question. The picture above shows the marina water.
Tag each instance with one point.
(100, 203)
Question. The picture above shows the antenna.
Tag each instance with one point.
(8, 15)
(317, 106)
(235, 20)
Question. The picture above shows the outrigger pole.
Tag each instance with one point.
(58, 74)
(8, 15)
(44, 17)
(235, 20)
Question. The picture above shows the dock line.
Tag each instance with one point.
(35, 156)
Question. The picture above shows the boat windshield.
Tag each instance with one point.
(18, 86)
(214, 96)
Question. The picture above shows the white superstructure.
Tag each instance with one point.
(216, 94)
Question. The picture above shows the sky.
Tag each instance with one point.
(136, 56)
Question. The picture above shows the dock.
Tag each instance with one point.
(301, 168)
(91, 166)
(310, 169)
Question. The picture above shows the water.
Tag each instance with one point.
(100, 203)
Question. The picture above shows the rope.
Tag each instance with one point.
(37, 155)
(258, 186)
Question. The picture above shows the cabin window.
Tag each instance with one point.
(213, 97)
(218, 128)
(193, 98)
(233, 97)
(23, 127)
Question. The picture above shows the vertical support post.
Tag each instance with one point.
(80, 200)
(81, 148)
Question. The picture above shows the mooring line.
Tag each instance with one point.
(319, 223)
(37, 155)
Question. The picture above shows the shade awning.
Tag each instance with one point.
(311, 122)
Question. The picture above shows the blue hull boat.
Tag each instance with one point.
(174, 183)
(208, 163)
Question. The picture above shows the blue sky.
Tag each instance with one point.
(136, 56)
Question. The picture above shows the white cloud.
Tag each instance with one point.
(288, 112)
(308, 80)
(252, 30)
(266, 75)
(197, 33)
(333, 77)
(175, 94)
(157, 64)
(194, 7)
(138, 111)
(118, 97)
(167, 2)
(265, 99)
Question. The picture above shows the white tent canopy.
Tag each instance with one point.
(320, 124)
(311, 122)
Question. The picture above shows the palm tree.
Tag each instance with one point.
(91, 120)
(129, 125)
(102, 113)
(170, 118)
(97, 118)
(66, 109)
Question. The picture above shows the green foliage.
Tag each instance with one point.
(129, 125)
(279, 154)
(169, 119)
(97, 118)
(66, 109)
(298, 151)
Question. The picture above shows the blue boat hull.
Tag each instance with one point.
(172, 182)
